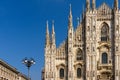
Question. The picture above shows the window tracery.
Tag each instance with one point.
(104, 33)
(79, 55)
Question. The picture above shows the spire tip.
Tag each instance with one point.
(70, 9)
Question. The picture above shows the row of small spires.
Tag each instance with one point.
(70, 23)
(48, 40)
(94, 5)
(51, 40)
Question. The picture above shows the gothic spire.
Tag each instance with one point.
(70, 18)
(53, 27)
(93, 4)
(87, 5)
(116, 4)
(53, 34)
(47, 35)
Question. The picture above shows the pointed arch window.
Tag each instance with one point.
(104, 58)
(78, 72)
(104, 33)
(79, 55)
(61, 72)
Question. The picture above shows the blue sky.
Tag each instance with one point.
(23, 26)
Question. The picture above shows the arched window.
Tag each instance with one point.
(79, 55)
(104, 33)
(78, 72)
(104, 58)
(61, 73)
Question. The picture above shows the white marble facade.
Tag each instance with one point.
(91, 52)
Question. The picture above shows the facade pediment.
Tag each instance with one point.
(104, 9)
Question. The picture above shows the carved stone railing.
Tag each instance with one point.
(105, 67)
(105, 72)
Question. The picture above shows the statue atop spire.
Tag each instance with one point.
(70, 10)
(83, 13)
(78, 21)
(47, 35)
(87, 5)
(70, 18)
(53, 34)
(53, 27)
(115, 4)
(93, 4)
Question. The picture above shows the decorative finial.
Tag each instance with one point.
(93, 4)
(78, 21)
(52, 23)
(70, 9)
(70, 24)
(47, 27)
(47, 35)
(52, 26)
(53, 34)
(80, 18)
(116, 4)
(83, 12)
(87, 5)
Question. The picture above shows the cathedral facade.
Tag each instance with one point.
(91, 52)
